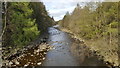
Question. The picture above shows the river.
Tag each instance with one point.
(61, 55)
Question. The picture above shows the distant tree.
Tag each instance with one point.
(41, 15)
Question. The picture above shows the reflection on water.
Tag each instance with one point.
(84, 55)
(61, 55)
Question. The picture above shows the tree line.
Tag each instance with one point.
(24, 22)
(97, 23)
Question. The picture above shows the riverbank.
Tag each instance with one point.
(26, 55)
(73, 46)
(84, 55)
(90, 51)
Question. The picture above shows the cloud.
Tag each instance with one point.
(63, 10)
(58, 8)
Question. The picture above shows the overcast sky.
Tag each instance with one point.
(58, 8)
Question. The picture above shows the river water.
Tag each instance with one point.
(60, 55)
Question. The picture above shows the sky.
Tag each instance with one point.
(58, 8)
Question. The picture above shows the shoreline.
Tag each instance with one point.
(74, 36)
(41, 42)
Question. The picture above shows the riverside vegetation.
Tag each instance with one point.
(23, 22)
(97, 25)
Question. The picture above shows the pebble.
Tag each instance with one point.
(14, 65)
(37, 53)
(38, 50)
(34, 52)
(7, 64)
(39, 63)
(31, 55)
(24, 59)
(28, 62)
(22, 55)
(43, 58)
(45, 53)
(26, 65)
(10, 63)
(17, 62)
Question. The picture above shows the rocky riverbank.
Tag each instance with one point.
(31, 55)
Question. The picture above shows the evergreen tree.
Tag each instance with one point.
(22, 29)
(41, 16)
